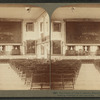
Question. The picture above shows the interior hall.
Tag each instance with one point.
(24, 47)
(75, 47)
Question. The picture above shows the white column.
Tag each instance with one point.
(9, 49)
(71, 48)
(85, 48)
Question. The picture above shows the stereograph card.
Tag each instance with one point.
(50, 50)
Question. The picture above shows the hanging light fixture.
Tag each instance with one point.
(72, 9)
(28, 9)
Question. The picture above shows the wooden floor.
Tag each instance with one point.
(9, 80)
(88, 79)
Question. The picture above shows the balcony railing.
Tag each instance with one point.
(83, 51)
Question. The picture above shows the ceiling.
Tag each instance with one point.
(20, 11)
(79, 11)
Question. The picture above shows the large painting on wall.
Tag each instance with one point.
(85, 32)
(56, 46)
(10, 32)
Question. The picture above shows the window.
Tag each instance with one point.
(41, 26)
(46, 26)
(56, 46)
(30, 26)
(42, 50)
(31, 46)
(56, 27)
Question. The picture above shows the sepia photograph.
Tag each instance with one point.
(75, 47)
(24, 47)
(47, 51)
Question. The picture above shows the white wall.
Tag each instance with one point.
(58, 35)
(36, 35)
(31, 34)
(44, 18)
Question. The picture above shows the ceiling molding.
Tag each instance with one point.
(82, 19)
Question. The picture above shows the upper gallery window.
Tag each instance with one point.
(56, 27)
(30, 26)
